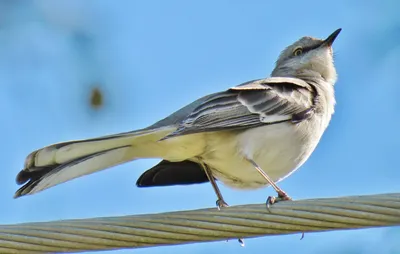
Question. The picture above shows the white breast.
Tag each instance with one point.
(278, 149)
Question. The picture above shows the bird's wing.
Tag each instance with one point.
(252, 104)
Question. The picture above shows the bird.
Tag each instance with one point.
(247, 137)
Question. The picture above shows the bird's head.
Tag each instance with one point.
(308, 58)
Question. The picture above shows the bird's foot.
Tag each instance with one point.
(221, 203)
(282, 196)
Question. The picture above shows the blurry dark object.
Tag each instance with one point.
(96, 98)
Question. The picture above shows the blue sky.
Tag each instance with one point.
(153, 57)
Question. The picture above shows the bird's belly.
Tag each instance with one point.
(277, 149)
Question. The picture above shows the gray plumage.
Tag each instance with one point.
(276, 122)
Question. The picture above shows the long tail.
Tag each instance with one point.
(62, 162)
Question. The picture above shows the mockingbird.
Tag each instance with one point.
(249, 136)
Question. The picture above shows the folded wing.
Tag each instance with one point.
(252, 104)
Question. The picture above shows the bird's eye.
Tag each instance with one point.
(298, 51)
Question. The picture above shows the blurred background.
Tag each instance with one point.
(72, 69)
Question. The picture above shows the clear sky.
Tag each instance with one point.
(153, 57)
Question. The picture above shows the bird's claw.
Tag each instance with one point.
(221, 203)
(282, 196)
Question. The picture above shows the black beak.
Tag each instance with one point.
(331, 38)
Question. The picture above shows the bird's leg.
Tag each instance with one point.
(220, 201)
(281, 194)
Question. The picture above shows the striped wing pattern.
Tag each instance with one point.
(252, 104)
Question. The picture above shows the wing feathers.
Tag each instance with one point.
(266, 101)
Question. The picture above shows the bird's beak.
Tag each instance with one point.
(331, 38)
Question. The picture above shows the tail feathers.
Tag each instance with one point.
(43, 177)
(24, 176)
(67, 151)
(64, 152)
(62, 162)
